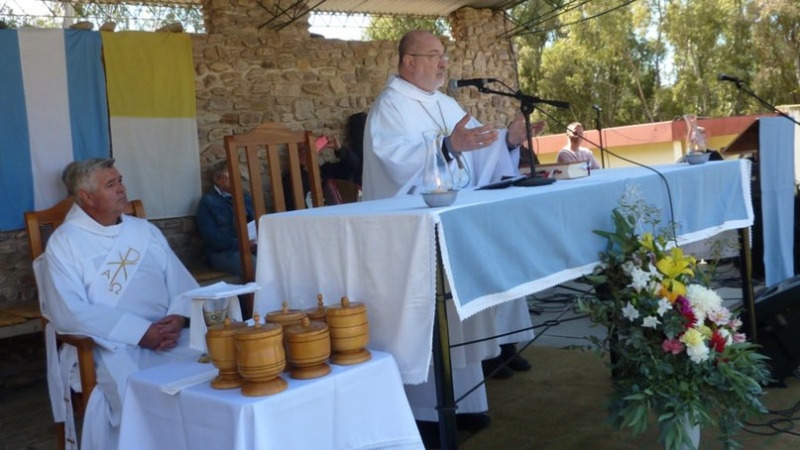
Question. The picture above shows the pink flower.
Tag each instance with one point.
(673, 346)
(739, 338)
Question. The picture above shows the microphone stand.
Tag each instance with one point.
(527, 103)
(742, 87)
(600, 133)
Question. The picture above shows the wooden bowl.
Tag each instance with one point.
(349, 329)
(309, 347)
(261, 358)
(222, 352)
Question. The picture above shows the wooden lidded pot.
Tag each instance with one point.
(286, 317)
(319, 313)
(349, 329)
(309, 347)
(261, 358)
(222, 352)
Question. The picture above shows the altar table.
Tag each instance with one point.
(496, 245)
(361, 406)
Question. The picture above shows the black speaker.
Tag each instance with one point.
(777, 316)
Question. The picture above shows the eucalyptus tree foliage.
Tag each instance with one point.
(776, 47)
(392, 28)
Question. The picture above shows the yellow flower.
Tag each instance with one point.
(673, 266)
(692, 337)
(705, 331)
(647, 242)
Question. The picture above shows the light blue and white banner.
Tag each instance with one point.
(53, 110)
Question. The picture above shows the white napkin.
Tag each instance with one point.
(197, 326)
(173, 387)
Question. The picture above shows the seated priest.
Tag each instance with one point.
(394, 157)
(114, 278)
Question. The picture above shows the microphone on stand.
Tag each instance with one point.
(477, 82)
(599, 127)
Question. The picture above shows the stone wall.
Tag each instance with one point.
(247, 74)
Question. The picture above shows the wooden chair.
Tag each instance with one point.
(40, 225)
(269, 140)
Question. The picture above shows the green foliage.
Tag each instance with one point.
(676, 351)
(386, 28)
(655, 60)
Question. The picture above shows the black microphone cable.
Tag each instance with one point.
(661, 175)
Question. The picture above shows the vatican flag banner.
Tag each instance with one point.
(151, 102)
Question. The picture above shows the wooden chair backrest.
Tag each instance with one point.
(269, 139)
(40, 224)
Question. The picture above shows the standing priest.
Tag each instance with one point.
(394, 158)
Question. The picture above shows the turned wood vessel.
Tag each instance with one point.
(261, 358)
(222, 351)
(309, 347)
(286, 317)
(349, 330)
(318, 313)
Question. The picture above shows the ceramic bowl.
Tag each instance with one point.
(439, 199)
(697, 158)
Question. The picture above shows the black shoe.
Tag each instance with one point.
(429, 432)
(502, 372)
(514, 361)
(472, 421)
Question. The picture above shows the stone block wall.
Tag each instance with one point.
(247, 74)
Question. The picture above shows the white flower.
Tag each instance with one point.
(640, 279)
(720, 316)
(663, 306)
(726, 335)
(650, 322)
(703, 301)
(697, 353)
(630, 312)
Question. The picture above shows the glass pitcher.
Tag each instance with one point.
(436, 176)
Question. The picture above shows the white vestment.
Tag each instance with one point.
(394, 147)
(394, 159)
(81, 253)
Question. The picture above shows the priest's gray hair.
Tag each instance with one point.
(79, 175)
(219, 169)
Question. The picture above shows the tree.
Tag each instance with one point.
(392, 28)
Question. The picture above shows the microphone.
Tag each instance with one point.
(725, 77)
(597, 107)
(477, 82)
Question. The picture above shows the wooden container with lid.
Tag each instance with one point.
(222, 351)
(309, 347)
(318, 313)
(286, 317)
(261, 358)
(349, 330)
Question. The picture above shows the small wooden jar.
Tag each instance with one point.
(349, 329)
(309, 347)
(286, 317)
(222, 352)
(261, 358)
(319, 313)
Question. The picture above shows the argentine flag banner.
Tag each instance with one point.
(52, 111)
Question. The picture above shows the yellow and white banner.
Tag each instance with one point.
(151, 103)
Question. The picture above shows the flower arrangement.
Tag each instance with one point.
(676, 351)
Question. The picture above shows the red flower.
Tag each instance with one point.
(717, 342)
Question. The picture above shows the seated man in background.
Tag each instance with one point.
(114, 278)
(394, 158)
(573, 152)
(215, 221)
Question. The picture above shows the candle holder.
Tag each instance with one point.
(437, 199)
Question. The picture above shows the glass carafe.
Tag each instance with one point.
(436, 176)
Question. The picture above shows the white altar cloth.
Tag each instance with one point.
(355, 407)
(497, 245)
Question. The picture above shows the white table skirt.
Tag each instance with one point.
(355, 407)
(497, 245)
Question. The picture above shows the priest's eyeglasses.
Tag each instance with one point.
(441, 56)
